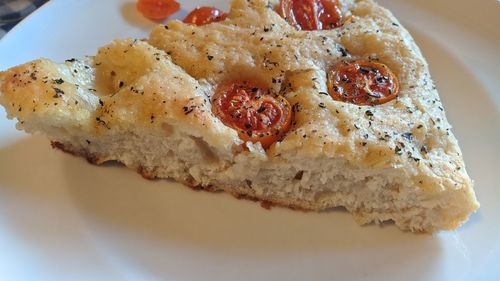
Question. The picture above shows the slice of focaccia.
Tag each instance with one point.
(260, 106)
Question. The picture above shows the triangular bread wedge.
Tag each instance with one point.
(147, 105)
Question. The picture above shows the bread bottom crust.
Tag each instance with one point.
(407, 219)
(264, 203)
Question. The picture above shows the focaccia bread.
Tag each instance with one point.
(149, 106)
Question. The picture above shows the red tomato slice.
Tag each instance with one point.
(157, 9)
(247, 107)
(204, 15)
(311, 14)
(362, 82)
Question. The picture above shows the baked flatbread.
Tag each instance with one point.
(149, 106)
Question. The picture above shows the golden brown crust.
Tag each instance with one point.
(410, 132)
(131, 89)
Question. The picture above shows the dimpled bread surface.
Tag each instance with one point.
(147, 105)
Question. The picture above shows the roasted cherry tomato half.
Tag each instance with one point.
(247, 106)
(204, 15)
(362, 82)
(311, 14)
(157, 9)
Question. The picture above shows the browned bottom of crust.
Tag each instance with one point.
(266, 203)
(92, 159)
(150, 175)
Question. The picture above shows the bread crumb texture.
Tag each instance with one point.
(147, 105)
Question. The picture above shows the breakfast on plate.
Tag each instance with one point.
(308, 104)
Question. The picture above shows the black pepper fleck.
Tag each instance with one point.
(58, 93)
(397, 150)
(408, 136)
(424, 149)
(342, 50)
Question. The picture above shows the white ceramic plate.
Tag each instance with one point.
(63, 219)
